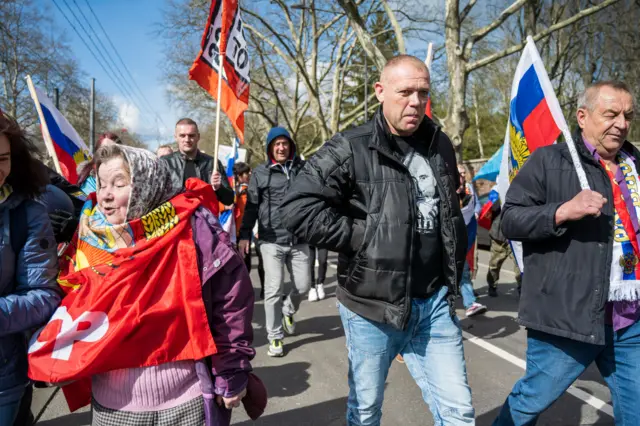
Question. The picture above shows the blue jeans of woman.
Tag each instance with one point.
(10, 405)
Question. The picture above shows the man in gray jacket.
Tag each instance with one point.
(267, 188)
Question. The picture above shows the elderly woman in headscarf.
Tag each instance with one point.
(170, 301)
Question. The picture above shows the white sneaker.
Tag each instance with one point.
(313, 295)
(475, 309)
(320, 290)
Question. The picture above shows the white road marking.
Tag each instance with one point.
(596, 403)
(583, 396)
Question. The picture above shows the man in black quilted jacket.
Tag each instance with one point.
(383, 195)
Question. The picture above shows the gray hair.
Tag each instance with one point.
(109, 152)
(587, 99)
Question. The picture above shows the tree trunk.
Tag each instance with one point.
(531, 12)
(365, 39)
(475, 108)
(456, 122)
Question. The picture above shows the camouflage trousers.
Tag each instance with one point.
(499, 253)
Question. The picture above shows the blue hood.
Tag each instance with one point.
(276, 132)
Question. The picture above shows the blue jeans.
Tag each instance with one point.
(554, 363)
(9, 410)
(432, 350)
(466, 287)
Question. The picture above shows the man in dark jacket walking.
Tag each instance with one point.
(278, 247)
(383, 195)
(581, 285)
(190, 162)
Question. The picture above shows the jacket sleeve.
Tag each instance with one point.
(37, 294)
(232, 301)
(251, 207)
(73, 191)
(316, 205)
(225, 193)
(526, 215)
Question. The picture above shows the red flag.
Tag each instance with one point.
(428, 109)
(485, 218)
(224, 33)
(132, 307)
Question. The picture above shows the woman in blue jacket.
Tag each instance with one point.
(28, 262)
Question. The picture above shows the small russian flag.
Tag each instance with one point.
(68, 145)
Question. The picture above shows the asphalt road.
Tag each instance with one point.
(309, 385)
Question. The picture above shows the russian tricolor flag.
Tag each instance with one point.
(232, 161)
(68, 145)
(535, 120)
(227, 215)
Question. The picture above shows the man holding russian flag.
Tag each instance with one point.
(581, 285)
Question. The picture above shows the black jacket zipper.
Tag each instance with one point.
(407, 313)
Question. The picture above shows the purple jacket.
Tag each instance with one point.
(228, 297)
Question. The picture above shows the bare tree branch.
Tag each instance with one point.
(396, 27)
(357, 23)
(481, 33)
(358, 111)
(336, 101)
(466, 10)
(542, 34)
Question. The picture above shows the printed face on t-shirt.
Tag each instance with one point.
(426, 193)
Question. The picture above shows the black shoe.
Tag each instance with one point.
(476, 294)
(493, 292)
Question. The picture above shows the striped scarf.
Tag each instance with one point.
(625, 267)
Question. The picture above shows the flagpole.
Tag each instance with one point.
(43, 123)
(429, 58)
(220, 71)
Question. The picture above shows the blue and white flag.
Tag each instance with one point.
(227, 216)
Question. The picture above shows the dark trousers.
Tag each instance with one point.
(247, 260)
(260, 268)
(322, 256)
(25, 417)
